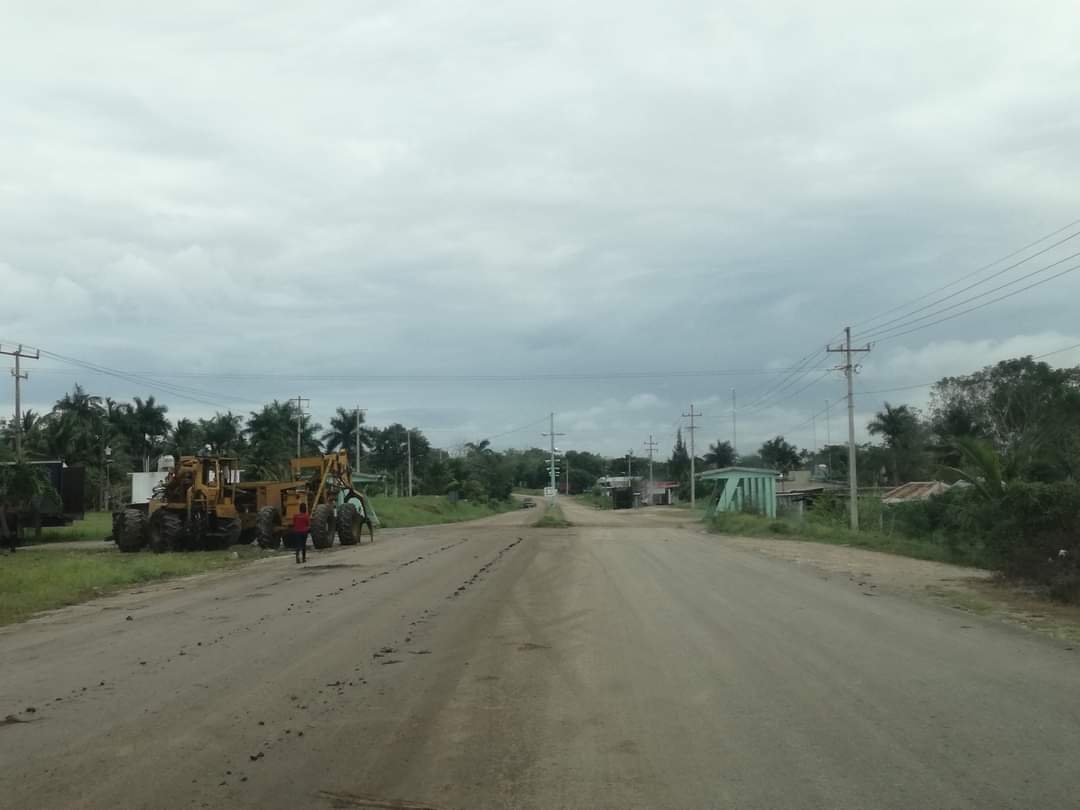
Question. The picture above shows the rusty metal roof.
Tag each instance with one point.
(914, 491)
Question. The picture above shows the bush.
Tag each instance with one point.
(474, 492)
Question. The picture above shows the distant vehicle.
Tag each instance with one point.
(528, 503)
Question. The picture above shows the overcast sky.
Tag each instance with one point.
(603, 191)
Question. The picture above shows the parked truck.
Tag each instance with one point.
(61, 507)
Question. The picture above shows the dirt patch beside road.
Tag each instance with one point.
(972, 590)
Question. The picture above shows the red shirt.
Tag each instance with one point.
(301, 522)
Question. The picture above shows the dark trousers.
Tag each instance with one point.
(298, 542)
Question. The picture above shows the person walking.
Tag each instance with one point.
(301, 525)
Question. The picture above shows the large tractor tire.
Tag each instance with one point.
(266, 524)
(323, 526)
(350, 525)
(227, 533)
(166, 532)
(133, 530)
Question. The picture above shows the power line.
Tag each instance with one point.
(180, 391)
(800, 371)
(979, 306)
(516, 430)
(1056, 351)
(795, 393)
(883, 330)
(469, 377)
(973, 273)
(881, 326)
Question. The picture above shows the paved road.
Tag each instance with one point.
(623, 663)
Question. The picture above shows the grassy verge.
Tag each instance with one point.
(34, 581)
(425, 510)
(825, 532)
(95, 526)
(527, 491)
(552, 518)
(595, 501)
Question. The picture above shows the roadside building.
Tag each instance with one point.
(660, 493)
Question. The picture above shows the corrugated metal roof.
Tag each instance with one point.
(914, 491)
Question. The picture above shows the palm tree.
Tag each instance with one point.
(271, 434)
(480, 448)
(144, 426)
(79, 418)
(720, 454)
(223, 433)
(33, 425)
(186, 438)
(898, 428)
(343, 433)
(983, 468)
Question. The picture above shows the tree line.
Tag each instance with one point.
(1021, 412)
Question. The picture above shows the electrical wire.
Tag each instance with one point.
(885, 330)
(978, 306)
(882, 327)
(800, 371)
(465, 377)
(973, 273)
(182, 392)
(1056, 351)
(517, 429)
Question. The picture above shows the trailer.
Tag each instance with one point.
(63, 509)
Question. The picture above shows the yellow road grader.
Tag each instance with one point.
(202, 504)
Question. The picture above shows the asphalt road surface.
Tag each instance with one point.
(623, 663)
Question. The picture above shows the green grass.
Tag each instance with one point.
(596, 501)
(95, 526)
(527, 491)
(425, 510)
(32, 581)
(824, 532)
(552, 518)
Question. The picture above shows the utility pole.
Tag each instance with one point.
(651, 446)
(19, 376)
(848, 368)
(551, 434)
(828, 442)
(629, 467)
(408, 444)
(693, 483)
(734, 436)
(301, 403)
(359, 412)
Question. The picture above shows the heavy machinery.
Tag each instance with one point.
(201, 504)
(324, 484)
(194, 507)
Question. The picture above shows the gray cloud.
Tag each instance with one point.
(354, 189)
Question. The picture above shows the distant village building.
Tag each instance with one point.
(660, 493)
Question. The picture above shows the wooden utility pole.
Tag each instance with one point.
(19, 375)
(693, 483)
(650, 447)
(848, 367)
(359, 415)
(301, 403)
(408, 445)
(551, 434)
